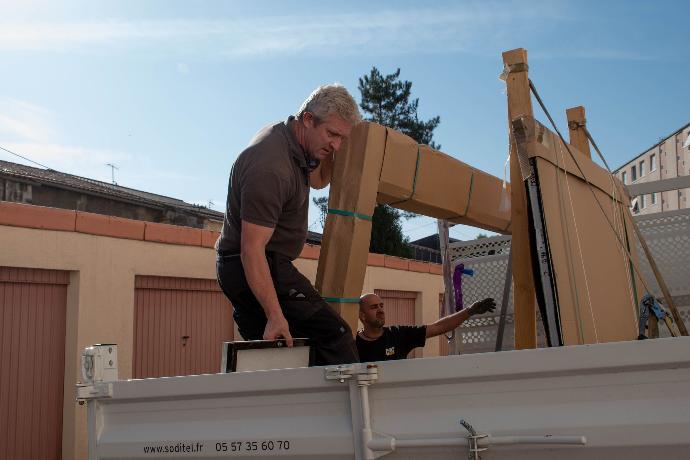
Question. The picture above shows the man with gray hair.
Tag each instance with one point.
(265, 227)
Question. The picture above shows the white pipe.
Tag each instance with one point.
(390, 444)
(507, 440)
(91, 428)
(367, 434)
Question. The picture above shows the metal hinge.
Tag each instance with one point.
(363, 373)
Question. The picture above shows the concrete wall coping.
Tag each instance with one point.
(67, 220)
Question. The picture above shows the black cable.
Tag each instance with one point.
(27, 159)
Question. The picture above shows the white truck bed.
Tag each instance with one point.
(628, 400)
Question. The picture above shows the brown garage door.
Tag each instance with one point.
(32, 362)
(180, 324)
(399, 307)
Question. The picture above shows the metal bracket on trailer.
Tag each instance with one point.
(370, 444)
(363, 373)
(85, 393)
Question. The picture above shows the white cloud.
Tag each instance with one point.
(455, 28)
(26, 121)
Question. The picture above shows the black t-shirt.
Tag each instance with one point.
(395, 343)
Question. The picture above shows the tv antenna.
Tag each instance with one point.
(112, 172)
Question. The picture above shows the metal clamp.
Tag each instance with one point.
(341, 372)
(473, 440)
(573, 125)
(365, 374)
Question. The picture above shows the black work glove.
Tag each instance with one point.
(487, 305)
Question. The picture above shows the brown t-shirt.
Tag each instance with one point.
(269, 186)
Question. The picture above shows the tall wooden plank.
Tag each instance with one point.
(524, 297)
(576, 124)
(346, 237)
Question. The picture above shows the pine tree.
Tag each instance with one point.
(321, 202)
(386, 100)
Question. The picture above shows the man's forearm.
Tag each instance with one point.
(451, 322)
(260, 282)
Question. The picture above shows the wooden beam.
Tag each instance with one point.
(347, 233)
(426, 181)
(576, 123)
(524, 297)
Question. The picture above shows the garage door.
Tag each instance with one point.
(400, 309)
(180, 324)
(32, 362)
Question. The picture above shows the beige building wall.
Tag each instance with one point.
(100, 303)
(672, 160)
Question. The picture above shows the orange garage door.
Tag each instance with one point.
(180, 324)
(32, 362)
(399, 308)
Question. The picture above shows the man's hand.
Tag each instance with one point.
(277, 327)
(253, 254)
(482, 306)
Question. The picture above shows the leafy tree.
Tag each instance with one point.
(321, 202)
(481, 235)
(386, 233)
(386, 100)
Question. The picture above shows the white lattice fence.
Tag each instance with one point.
(488, 257)
(668, 237)
(667, 234)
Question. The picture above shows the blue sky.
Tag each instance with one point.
(171, 91)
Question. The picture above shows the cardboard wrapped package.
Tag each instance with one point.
(342, 276)
(598, 292)
(380, 164)
(352, 198)
(420, 179)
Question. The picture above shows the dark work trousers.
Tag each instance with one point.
(307, 314)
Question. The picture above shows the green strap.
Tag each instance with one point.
(414, 179)
(469, 198)
(341, 212)
(416, 170)
(342, 299)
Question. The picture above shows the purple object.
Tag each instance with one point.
(457, 284)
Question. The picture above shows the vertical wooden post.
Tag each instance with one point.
(346, 237)
(576, 121)
(524, 297)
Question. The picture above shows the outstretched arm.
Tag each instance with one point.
(451, 322)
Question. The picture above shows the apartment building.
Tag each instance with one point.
(668, 158)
